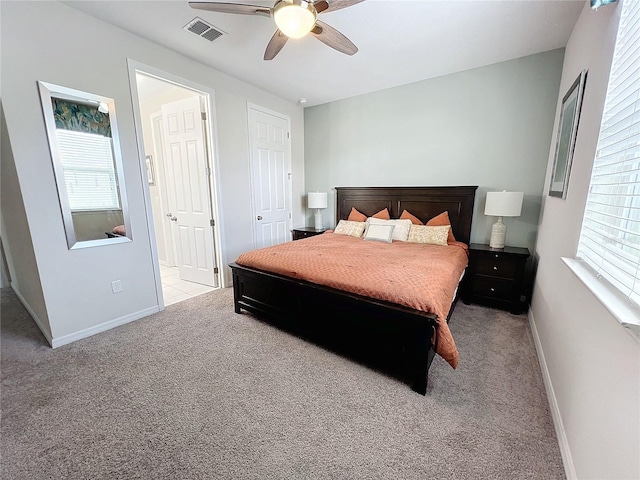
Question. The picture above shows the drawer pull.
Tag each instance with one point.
(495, 268)
(496, 256)
(493, 289)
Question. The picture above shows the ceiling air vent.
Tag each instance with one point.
(203, 29)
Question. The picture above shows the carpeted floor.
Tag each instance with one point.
(198, 392)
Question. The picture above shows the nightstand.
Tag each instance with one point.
(495, 277)
(306, 232)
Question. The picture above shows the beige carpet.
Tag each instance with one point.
(198, 392)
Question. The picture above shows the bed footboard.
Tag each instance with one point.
(328, 314)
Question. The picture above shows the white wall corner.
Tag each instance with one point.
(563, 442)
(28, 308)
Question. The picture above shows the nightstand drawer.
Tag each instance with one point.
(300, 235)
(496, 265)
(492, 287)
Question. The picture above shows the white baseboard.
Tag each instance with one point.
(87, 332)
(563, 442)
(28, 308)
(116, 322)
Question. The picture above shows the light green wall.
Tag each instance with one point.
(489, 126)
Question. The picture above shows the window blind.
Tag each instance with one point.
(89, 172)
(610, 236)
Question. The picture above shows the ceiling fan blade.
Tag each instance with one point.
(231, 8)
(332, 37)
(321, 6)
(339, 4)
(275, 45)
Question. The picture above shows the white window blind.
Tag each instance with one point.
(610, 236)
(89, 172)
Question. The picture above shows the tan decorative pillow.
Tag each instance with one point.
(428, 234)
(352, 229)
(440, 220)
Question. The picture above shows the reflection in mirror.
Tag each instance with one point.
(83, 139)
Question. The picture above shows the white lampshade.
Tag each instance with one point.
(504, 204)
(295, 18)
(317, 200)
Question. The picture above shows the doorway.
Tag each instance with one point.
(270, 165)
(178, 160)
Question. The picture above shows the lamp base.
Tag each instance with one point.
(498, 234)
(318, 220)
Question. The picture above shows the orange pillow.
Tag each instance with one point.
(356, 216)
(408, 216)
(382, 215)
(440, 220)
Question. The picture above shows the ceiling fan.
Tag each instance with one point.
(294, 18)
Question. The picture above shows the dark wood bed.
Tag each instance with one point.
(317, 311)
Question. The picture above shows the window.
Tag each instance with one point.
(610, 236)
(89, 172)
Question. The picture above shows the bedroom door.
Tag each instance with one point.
(270, 145)
(189, 193)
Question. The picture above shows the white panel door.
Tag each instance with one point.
(187, 175)
(271, 177)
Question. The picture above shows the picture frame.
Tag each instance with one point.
(150, 173)
(566, 137)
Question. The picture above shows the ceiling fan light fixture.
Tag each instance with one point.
(294, 18)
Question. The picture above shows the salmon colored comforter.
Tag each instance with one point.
(419, 276)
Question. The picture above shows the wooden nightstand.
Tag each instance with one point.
(495, 277)
(305, 232)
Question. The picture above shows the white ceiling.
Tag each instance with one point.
(400, 41)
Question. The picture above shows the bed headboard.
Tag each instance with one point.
(423, 202)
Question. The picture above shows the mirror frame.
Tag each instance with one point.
(48, 91)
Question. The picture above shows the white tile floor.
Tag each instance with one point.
(176, 290)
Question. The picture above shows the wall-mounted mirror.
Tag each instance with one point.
(85, 151)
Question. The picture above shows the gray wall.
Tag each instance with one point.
(39, 44)
(489, 126)
(16, 237)
(591, 362)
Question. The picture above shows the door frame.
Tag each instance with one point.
(211, 144)
(253, 106)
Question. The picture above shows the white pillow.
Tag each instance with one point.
(352, 229)
(429, 234)
(379, 233)
(401, 230)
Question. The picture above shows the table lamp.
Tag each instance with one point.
(317, 200)
(502, 204)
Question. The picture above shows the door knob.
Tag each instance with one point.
(259, 217)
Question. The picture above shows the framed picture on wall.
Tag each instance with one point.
(150, 174)
(566, 138)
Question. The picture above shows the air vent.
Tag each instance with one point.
(203, 29)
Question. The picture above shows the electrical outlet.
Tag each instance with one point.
(116, 286)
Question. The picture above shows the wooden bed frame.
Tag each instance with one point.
(316, 311)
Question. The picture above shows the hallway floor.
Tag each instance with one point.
(176, 290)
